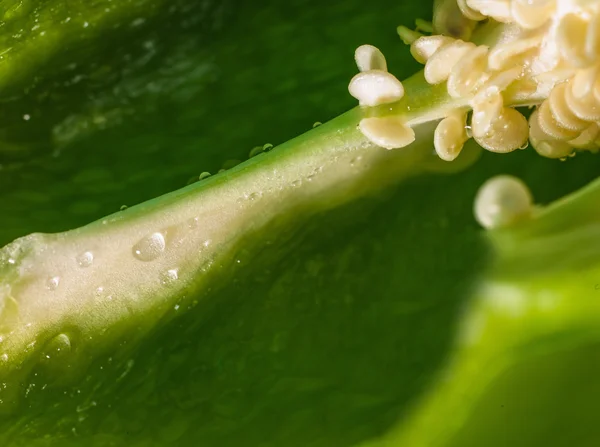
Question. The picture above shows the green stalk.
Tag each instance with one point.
(119, 277)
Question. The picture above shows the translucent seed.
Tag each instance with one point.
(469, 12)
(468, 73)
(487, 106)
(85, 259)
(376, 87)
(570, 39)
(389, 132)
(550, 126)
(425, 47)
(552, 149)
(583, 82)
(501, 80)
(450, 136)
(150, 247)
(561, 111)
(505, 55)
(439, 66)
(507, 133)
(543, 144)
(592, 44)
(368, 57)
(587, 138)
(497, 128)
(496, 9)
(502, 201)
(585, 108)
(530, 15)
(537, 3)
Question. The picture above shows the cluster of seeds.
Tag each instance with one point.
(548, 58)
(373, 86)
(570, 116)
(479, 76)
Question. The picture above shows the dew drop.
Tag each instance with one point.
(267, 147)
(57, 348)
(123, 207)
(169, 277)
(355, 161)
(204, 175)
(193, 223)
(53, 282)
(85, 259)
(296, 183)
(255, 151)
(149, 248)
(61, 342)
(524, 145)
(317, 124)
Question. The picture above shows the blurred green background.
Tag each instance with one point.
(329, 333)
